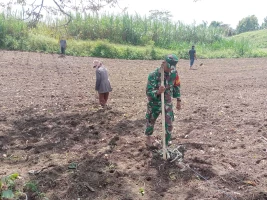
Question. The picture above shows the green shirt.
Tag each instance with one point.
(171, 83)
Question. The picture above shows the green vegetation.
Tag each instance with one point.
(249, 23)
(9, 189)
(127, 37)
(7, 186)
(32, 188)
(258, 38)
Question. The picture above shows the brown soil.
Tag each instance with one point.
(50, 119)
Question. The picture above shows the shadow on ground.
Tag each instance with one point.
(99, 154)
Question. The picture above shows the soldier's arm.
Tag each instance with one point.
(176, 87)
(152, 87)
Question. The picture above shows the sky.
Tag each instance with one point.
(226, 11)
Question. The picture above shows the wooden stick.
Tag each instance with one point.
(163, 117)
(264, 138)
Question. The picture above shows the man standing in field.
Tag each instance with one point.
(192, 56)
(170, 89)
(63, 46)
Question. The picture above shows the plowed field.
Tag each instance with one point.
(53, 133)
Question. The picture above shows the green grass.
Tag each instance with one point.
(258, 38)
(129, 37)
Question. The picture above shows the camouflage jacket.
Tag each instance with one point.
(171, 82)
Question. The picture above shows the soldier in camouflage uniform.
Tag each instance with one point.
(154, 89)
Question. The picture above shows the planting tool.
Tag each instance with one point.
(165, 152)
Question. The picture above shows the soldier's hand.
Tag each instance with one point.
(161, 90)
(178, 105)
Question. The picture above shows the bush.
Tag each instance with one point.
(41, 43)
(242, 48)
(7, 186)
(105, 50)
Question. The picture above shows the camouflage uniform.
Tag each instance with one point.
(172, 89)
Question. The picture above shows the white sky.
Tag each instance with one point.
(226, 11)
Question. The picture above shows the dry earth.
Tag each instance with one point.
(50, 122)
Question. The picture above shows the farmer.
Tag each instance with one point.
(192, 56)
(170, 89)
(102, 85)
(63, 46)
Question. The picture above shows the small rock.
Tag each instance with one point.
(92, 127)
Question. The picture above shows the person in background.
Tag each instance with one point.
(63, 46)
(102, 85)
(171, 89)
(192, 56)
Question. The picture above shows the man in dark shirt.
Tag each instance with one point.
(63, 46)
(192, 56)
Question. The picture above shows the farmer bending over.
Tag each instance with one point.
(102, 83)
(154, 89)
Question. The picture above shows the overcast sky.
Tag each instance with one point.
(226, 11)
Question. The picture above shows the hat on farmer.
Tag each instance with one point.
(172, 60)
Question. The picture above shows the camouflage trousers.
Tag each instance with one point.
(153, 111)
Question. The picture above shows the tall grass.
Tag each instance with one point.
(12, 32)
(137, 30)
(122, 36)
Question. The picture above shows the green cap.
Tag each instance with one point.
(172, 60)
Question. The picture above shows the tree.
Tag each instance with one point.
(160, 15)
(215, 24)
(249, 23)
(228, 31)
(264, 23)
(34, 10)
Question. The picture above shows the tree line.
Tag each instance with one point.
(249, 23)
(33, 11)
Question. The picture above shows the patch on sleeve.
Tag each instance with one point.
(177, 81)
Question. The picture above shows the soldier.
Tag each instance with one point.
(154, 89)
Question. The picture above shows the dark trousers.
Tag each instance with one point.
(62, 50)
(103, 98)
